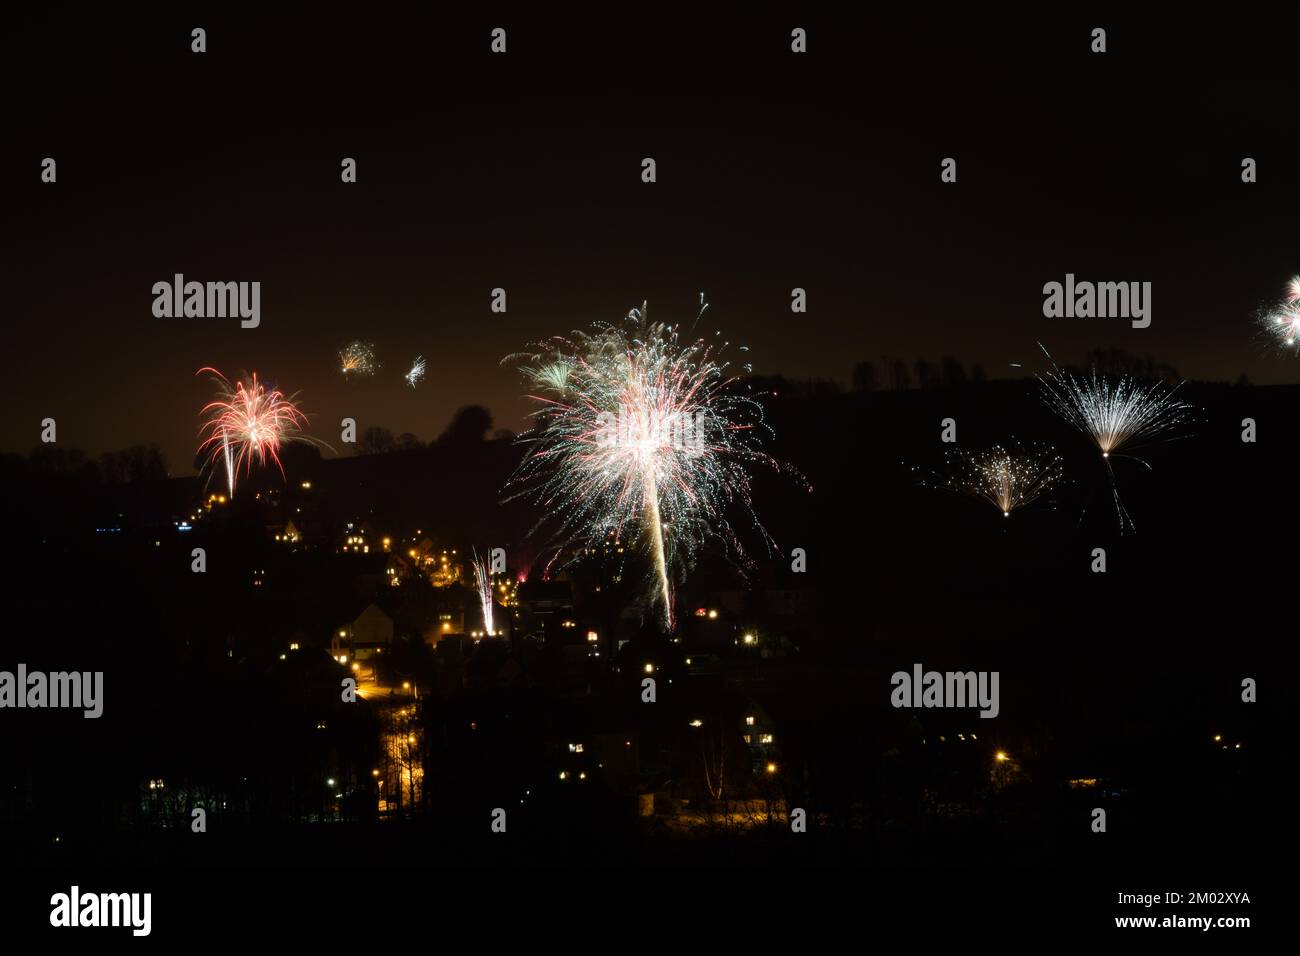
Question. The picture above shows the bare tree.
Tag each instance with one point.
(925, 373)
(952, 371)
(898, 375)
(865, 377)
(713, 755)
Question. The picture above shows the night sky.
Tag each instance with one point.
(522, 171)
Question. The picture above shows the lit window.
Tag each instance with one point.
(749, 721)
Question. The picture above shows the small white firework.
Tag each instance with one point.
(416, 373)
(1119, 415)
(1006, 477)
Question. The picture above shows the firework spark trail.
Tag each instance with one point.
(637, 430)
(246, 423)
(358, 358)
(1281, 324)
(1118, 415)
(658, 551)
(416, 373)
(483, 580)
(1006, 478)
(230, 465)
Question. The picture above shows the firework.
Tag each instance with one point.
(247, 425)
(358, 358)
(1118, 415)
(639, 432)
(1006, 478)
(483, 581)
(1281, 324)
(416, 373)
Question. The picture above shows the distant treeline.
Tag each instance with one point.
(143, 463)
(137, 463)
(899, 374)
(469, 426)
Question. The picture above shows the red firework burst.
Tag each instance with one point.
(247, 424)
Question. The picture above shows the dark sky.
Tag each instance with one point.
(523, 171)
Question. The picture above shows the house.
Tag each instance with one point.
(368, 634)
(758, 731)
(546, 607)
(287, 533)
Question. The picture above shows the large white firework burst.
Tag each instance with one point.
(640, 431)
(1118, 415)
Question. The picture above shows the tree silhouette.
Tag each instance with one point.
(468, 426)
(137, 463)
(926, 374)
(952, 371)
(865, 377)
(375, 440)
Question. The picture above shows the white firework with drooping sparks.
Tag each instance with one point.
(1008, 478)
(358, 358)
(1281, 324)
(639, 431)
(1119, 415)
(416, 373)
